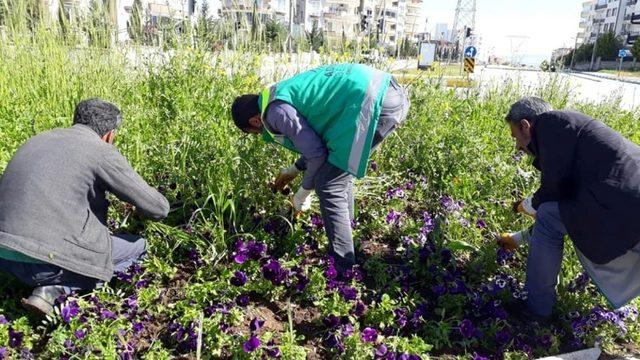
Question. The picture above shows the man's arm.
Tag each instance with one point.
(286, 120)
(556, 147)
(125, 183)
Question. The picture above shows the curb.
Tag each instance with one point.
(607, 77)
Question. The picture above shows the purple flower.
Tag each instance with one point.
(274, 272)
(137, 327)
(68, 344)
(143, 283)
(3, 320)
(80, 334)
(70, 311)
(194, 255)
(107, 314)
(393, 218)
(331, 341)
(451, 205)
(439, 290)
(331, 321)
(256, 250)
(3, 353)
(503, 337)
(467, 329)
(480, 224)
(579, 283)
(131, 302)
(242, 300)
(255, 324)
(409, 186)
(369, 335)
(381, 351)
(15, 338)
(251, 345)
(331, 272)
(240, 258)
(348, 293)
(373, 165)
(273, 352)
(302, 282)
(239, 278)
(316, 221)
(359, 309)
(347, 330)
(477, 356)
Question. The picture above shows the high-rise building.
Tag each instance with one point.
(413, 24)
(622, 17)
(341, 18)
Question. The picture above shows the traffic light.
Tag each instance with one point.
(469, 33)
(364, 23)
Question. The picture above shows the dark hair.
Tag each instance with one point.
(99, 115)
(244, 108)
(527, 108)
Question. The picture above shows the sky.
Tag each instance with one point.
(542, 25)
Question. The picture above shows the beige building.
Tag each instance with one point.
(619, 16)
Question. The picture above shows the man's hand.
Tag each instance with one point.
(525, 207)
(301, 200)
(507, 242)
(285, 177)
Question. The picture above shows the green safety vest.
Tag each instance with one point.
(341, 102)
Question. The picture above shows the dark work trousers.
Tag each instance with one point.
(126, 250)
(334, 187)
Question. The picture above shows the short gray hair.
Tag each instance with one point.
(99, 115)
(527, 108)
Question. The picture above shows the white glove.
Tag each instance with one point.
(302, 199)
(527, 207)
(285, 176)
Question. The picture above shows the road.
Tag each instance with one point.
(584, 88)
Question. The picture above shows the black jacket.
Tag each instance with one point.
(593, 173)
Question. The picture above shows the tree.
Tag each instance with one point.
(135, 24)
(608, 45)
(315, 37)
(275, 33)
(635, 50)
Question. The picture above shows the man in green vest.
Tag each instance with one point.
(334, 116)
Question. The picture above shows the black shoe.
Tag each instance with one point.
(520, 311)
(42, 299)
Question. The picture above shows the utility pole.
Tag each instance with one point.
(573, 54)
(595, 48)
(291, 26)
(465, 18)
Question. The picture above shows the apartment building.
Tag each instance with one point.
(619, 16)
(414, 23)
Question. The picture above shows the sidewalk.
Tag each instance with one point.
(626, 79)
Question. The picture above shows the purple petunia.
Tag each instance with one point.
(274, 272)
(80, 334)
(107, 314)
(15, 338)
(3, 353)
(70, 311)
(239, 278)
(3, 320)
(381, 351)
(252, 344)
(477, 356)
(480, 224)
(331, 321)
(393, 218)
(348, 293)
(467, 329)
(273, 352)
(255, 324)
(369, 335)
(137, 327)
(373, 165)
(316, 221)
(503, 337)
(242, 300)
(451, 205)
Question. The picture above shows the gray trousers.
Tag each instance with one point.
(126, 249)
(334, 187)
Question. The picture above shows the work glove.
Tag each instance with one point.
(301, 200)
(507, 241)
(285, 176)
(525, 207)
(511, 241)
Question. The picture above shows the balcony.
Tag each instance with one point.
(631, 39)
(631, 2)
(600, 7)
(635, 19)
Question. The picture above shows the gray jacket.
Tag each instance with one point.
(53, 203)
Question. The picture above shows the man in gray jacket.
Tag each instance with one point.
(53, 207)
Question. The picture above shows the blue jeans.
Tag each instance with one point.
(126, 249)
(545, 258)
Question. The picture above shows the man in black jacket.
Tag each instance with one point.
(589, 190)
